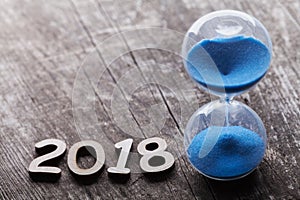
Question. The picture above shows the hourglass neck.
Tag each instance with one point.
(226, 99)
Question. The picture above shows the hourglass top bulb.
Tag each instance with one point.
(227, 52)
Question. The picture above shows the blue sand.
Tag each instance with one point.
(241, 61)
(237, 151)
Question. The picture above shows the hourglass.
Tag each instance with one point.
(226, 53)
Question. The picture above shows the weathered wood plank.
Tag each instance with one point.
(42, 45)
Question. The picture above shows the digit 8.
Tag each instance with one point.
(154, 157)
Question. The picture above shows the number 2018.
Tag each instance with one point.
(149, 149)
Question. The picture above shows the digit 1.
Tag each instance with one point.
(125, 147)
(89, 147)
(46, 173)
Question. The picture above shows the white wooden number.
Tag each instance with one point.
(35, 167)
(125, 147)
(155, 158)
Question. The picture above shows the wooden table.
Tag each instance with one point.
(43, 45)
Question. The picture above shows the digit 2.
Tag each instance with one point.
(38, 169)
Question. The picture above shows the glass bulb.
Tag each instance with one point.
(226, 53)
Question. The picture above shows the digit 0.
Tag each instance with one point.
(154, 157)
(88, 147)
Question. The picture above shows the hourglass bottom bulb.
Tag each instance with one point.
(226, 152)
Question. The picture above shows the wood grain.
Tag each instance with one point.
(43, 45)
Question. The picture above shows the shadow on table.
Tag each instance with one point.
(229, 189)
